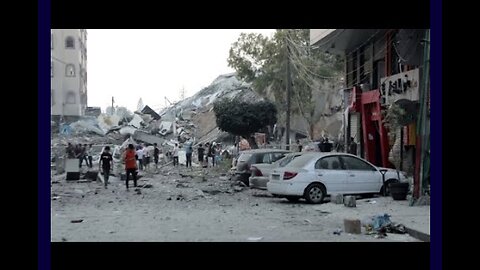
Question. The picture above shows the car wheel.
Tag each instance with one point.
(314, 193)
(387, 191)
(292, 198)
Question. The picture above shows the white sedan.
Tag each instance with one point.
(315, 175)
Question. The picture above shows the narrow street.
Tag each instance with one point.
(172, 207)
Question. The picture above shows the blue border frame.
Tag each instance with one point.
(436, 131)
(44, 260)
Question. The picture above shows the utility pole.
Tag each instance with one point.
(289, 86)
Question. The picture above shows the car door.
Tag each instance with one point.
(330, 172)
(361, 176)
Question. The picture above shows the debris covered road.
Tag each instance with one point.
(179, 204)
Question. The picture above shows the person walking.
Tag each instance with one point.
(156, 154)
(175, 155)
(352, 148)
(211, 154)
(146, 157)
(90, 155)
(201, 152)
(106, 163)
(70, 151)
(140, 157)
(130, 164)
(78, 154)
(188, 153)
(299, 146)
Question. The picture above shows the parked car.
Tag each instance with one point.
(256, 156)
(315, 175)
(260, 172)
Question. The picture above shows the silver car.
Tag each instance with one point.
(260, 172)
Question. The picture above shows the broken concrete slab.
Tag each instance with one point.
(127, 130)
(352, 226)
(350, 201)
(136, 121)
(336, 198)
(237, 188)
(143, 136)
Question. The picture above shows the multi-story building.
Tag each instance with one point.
(68, 72)
(386, 67)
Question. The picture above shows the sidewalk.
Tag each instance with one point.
(416, 219)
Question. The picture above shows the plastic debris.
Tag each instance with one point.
(254, 238)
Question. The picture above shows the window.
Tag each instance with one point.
(266, 158)
(277, 156)
(70, 43)
(328, 163)
(51, 69)
(70, 99)
(70, 70)
(352, 163)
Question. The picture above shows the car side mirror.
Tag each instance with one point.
(383, 171)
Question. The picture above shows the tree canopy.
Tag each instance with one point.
(262, 61)
(243, 118)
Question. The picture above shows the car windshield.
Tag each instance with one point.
(300, 161)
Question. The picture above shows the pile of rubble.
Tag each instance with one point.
(191, 119)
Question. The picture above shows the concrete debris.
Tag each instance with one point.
(237, 188)
(352, 226)
(136, 121)
(349, 201)
(127, 130)
(200, 193)
(336, 198)
(212, 191)
(254, 238)
(76, 221)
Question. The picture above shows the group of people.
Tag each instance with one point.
(208, 155)
(134, 159)
(80, 152)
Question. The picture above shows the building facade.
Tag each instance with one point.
(386, 69)
(68, 72)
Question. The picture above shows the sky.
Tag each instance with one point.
(154, 64)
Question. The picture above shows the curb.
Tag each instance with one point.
(418, 235)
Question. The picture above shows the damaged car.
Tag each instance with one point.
(257, 156)
(315, 175)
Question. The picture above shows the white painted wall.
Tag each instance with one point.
(69, 94)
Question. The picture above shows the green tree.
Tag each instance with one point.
(262, 61)
(242, 118)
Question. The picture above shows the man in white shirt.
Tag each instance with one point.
(175, 155)
(140, 157)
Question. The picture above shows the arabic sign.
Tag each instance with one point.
(403, 85)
